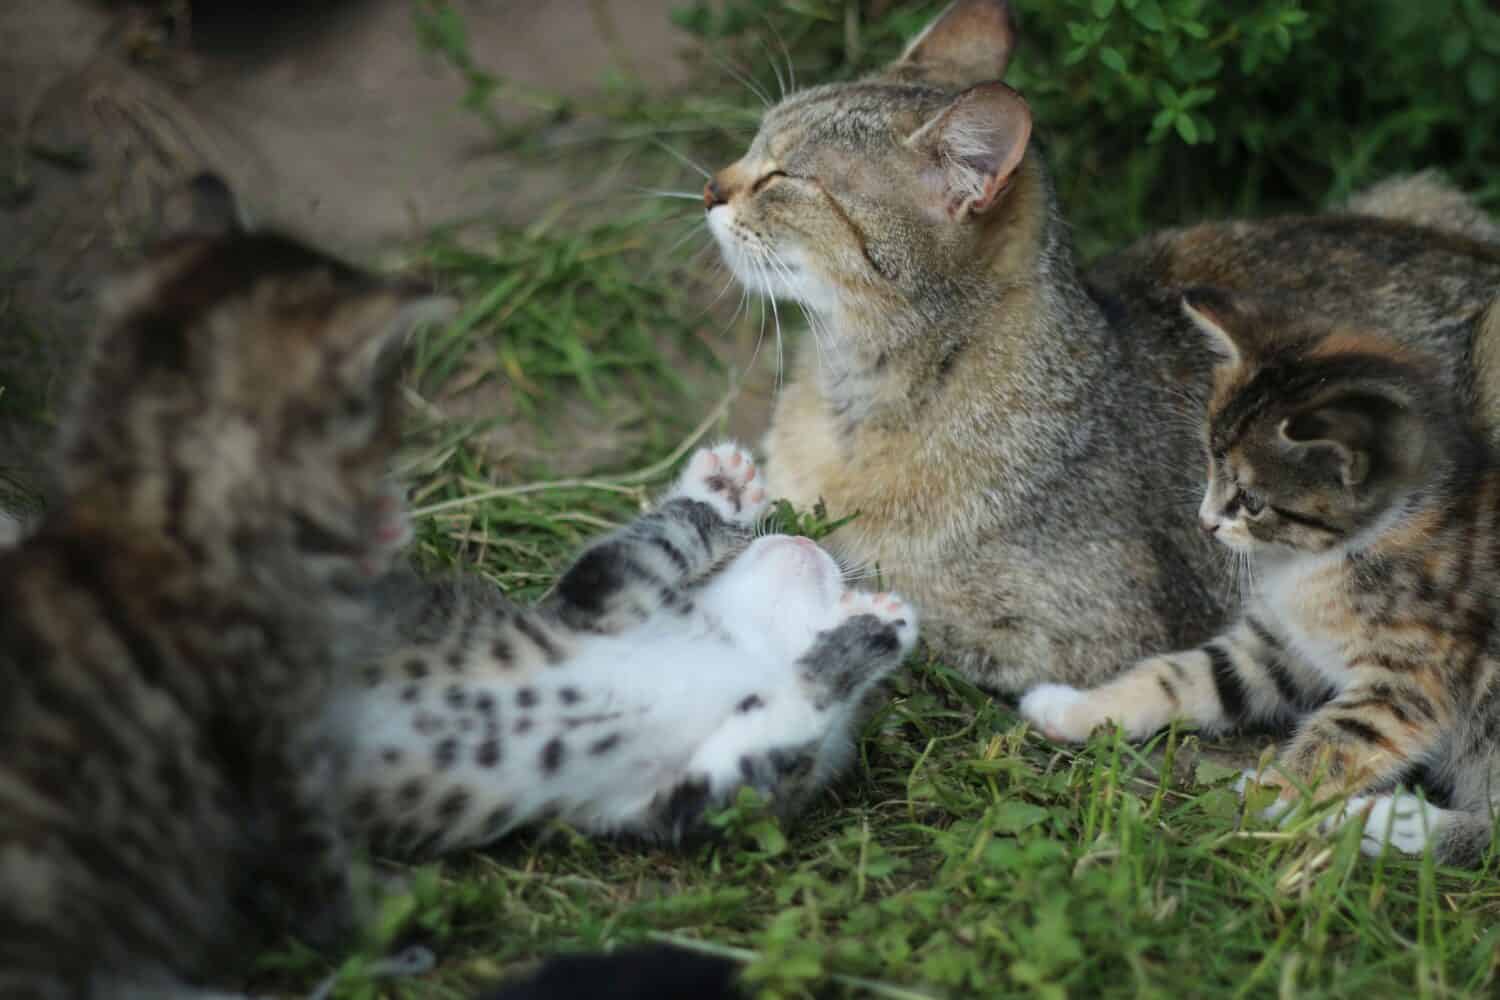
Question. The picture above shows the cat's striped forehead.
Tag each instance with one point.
(849, 115)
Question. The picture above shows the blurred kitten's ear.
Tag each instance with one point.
(975, 145)
(202, 206)
(398, 311)
(970, 42)
(1223, 320)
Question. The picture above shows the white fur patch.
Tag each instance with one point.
(1050, 708)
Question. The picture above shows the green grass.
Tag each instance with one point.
(964, 856)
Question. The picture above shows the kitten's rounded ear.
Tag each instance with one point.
(975, 145)
(1221, 319)
(1343, 434)
(202, 206)
(968, 43)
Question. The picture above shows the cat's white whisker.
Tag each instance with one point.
(684, 195)
(751, 85)
(684, 159)
(771, 58)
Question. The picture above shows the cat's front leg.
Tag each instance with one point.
(706, 517)
(1364, 738)
(1241, 676)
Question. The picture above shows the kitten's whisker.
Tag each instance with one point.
(684, 159)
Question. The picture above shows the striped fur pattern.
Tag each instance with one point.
(167, 633)
(677, 661)
(1365, 501)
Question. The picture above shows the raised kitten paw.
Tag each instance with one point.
(1402, 820)
(890, 607)
(1287, 796)
(1056, 710)
(724, 477)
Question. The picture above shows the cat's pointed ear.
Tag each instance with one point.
(974, 147)
(1223, 319)
(970, 42)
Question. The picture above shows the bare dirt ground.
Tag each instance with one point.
(335, 124)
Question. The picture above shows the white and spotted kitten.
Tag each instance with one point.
(678, 660)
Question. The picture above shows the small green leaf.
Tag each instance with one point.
(1187, 129)
(1103, 8)
(1012, 816)
(1150, 16)
(1111, 57)
(1483, 80)
(1166, 96)
(1455, 47)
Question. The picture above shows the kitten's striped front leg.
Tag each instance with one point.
(1375, 728)
(1242, 675)
(704, 519)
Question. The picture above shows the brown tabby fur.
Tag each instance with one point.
(1018, 438)
(167, 634)
(1366, 498)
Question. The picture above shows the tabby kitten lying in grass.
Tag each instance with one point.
(1365, 501)
(167, 783)
(676, 662)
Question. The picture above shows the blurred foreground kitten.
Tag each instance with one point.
(167, 635)
(1365, 501)
(1015, 435)
(676, 661)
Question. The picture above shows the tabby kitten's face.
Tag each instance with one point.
(244, 396)
(874, 193)
(1314, 435)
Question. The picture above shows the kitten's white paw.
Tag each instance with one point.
(724, 477)
(888, 607)
(1279, 807)
(1403, 820)
(1054, 709)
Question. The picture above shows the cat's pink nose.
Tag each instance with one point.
(1209, 527)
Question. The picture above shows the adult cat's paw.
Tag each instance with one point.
(1058, 711)
(890, 607)
(725, 478)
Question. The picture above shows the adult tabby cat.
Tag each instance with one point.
(167, 634)
(1366, 499)
(1013, 434)
(677, 661)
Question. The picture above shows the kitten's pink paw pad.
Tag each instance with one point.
(725, 478)
(1054, 709)
(889, 607)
